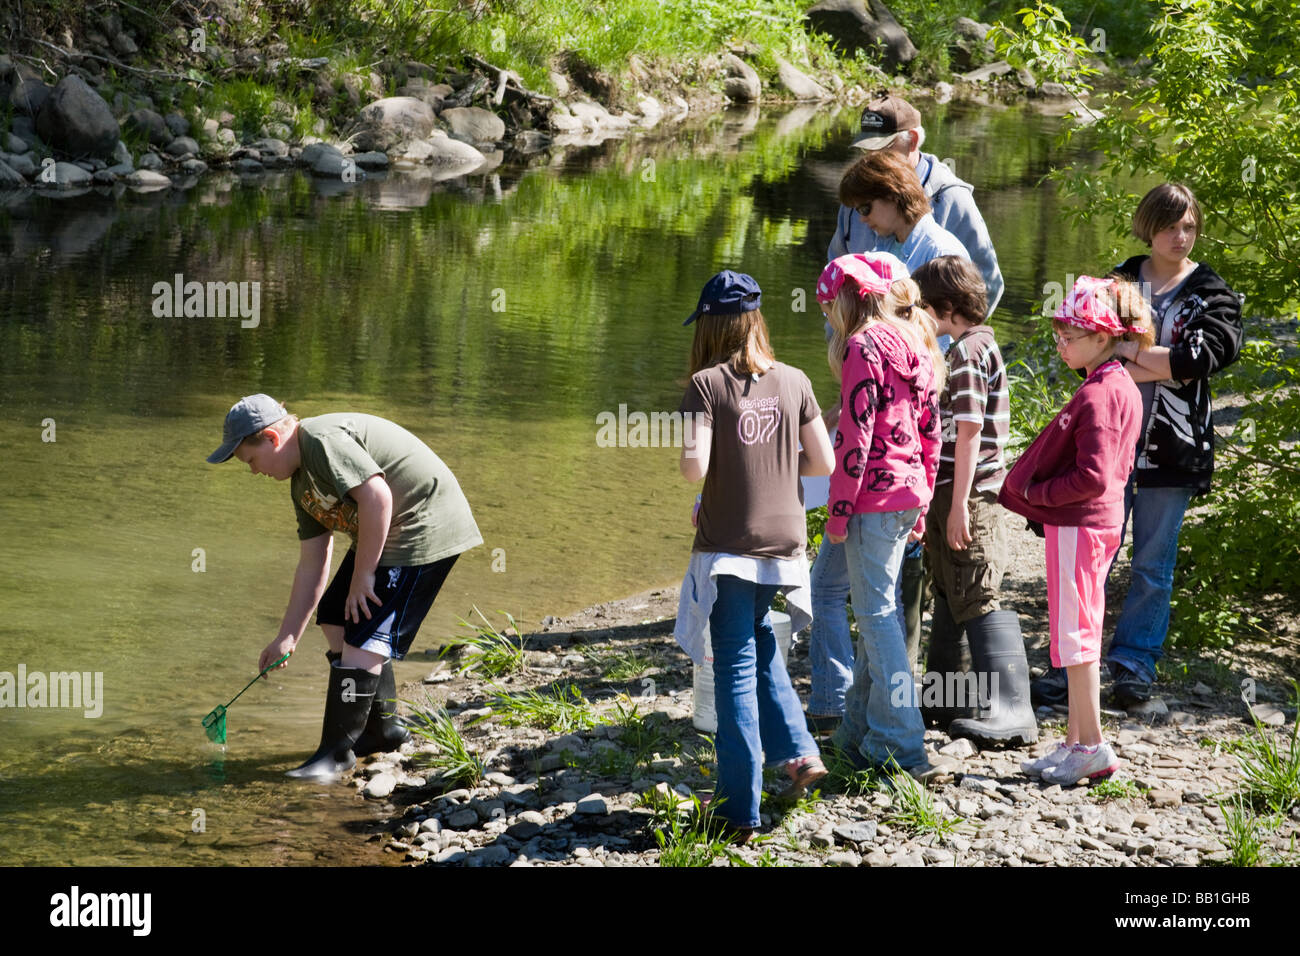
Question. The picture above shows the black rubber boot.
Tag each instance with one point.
(998, 651)
(914, 600)
(385, 731)
(949, 654)
(346, 708)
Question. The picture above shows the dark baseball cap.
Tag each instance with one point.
(883, 119)
(726, 294)
(248, 416)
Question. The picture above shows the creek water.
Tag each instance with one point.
(495, 316)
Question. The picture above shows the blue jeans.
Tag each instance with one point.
(758, 710)
(1143, 624)
(881, 718)
(830, 645)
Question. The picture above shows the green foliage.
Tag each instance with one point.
(453, 759)
(486, 650)
(1039, 384)
(1219, 113)
(625, 665)
(1256, 498)
(843, 777)
(696, 843)
(1045, 44)
(1271, 773)
(561, 710)
(1244, 838)
(1112, 789)
(914, 806)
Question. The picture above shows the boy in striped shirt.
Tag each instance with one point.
(966, 535)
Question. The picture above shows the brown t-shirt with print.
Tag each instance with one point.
(752, 503)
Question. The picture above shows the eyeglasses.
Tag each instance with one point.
(1063, 340)
(863, 211)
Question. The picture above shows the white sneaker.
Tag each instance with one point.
(1046, 762)
(1102, 762)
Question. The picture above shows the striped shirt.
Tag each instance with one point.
(976, 392)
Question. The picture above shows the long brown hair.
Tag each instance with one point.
(899, 308)
(739, 338)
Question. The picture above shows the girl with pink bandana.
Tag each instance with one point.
(1071, 481)
(883, 352)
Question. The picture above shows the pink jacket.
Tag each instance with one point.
(887, 447)
(1074, 473)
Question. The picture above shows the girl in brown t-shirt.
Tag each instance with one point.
(747, 415)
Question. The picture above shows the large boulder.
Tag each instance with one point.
(475, 125)
(150, 125)
(392, 120)
(27, 96)
(76, 120)
(799, 84)
(856, 25)
(742, 84)
(970, 45)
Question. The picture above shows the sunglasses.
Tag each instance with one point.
(863, 211)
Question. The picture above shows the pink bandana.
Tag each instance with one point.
(1083, 309)
(874, 273)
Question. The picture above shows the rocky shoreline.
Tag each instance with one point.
(591, 787)
(73, 128)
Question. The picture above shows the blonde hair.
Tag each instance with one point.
(738, 338)
(899, 308)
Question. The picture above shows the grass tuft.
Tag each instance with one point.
(454, 759)
(560, 710)
(486, 650)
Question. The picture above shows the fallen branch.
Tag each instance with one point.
(122, 66)
(504, 78)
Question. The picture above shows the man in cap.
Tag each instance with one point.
(890, 122)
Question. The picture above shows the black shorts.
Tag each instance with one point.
(407, 594)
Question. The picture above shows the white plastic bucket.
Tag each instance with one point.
(706, 712)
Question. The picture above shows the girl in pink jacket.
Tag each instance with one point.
(1071, 481)
(884, 353)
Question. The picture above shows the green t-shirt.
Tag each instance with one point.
(431, 518)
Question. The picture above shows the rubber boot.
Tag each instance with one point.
(347, 705)
(998, 653)
(914, 599)
(949, 654)
(385, 731)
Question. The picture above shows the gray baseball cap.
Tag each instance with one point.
(248, 416)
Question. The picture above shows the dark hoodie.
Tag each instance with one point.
(1201, 326)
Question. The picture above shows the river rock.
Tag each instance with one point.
(970, 44)
(447, 152)
(844, 858)
(150, 124)
(462, 819)
(987, 72)
(391, 120)
(799, 84)
(247, 165)
(861, 831)
(10, 178)
(146, 180)
(742, 83)
(76, 120)
(1268, 714)
(1154, 709)
(855, 25)
(651, 110)
(380, 786)
(959, 749)
(182, 146)
(493, 855)
(177, 124)
(24, 165)
(475, 125)
(371, 160)
(66, 176)
(332, 164)
(524, 830)
(15, 144)
(453, 854)
(28, 96)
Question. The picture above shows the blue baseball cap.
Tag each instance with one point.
(726, 294)
(248, 416)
